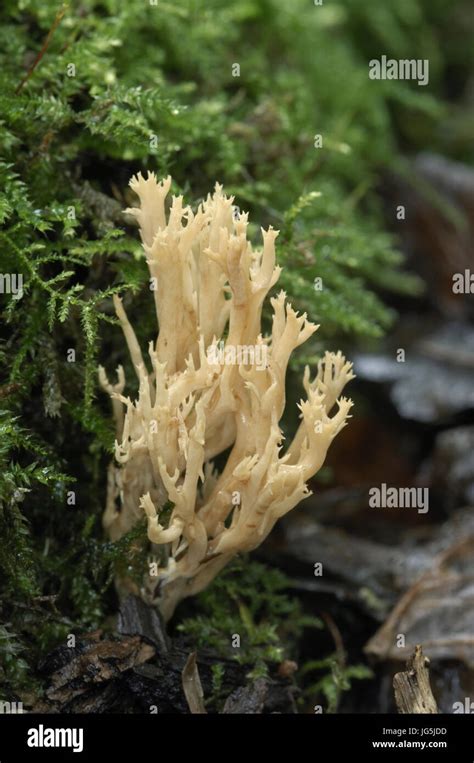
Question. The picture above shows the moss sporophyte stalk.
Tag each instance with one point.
(212, 382)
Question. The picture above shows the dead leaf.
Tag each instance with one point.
(192, 686)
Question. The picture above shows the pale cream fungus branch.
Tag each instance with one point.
(209, 289)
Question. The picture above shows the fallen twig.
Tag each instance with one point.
(412, 687)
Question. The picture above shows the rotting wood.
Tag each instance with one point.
(412, 687)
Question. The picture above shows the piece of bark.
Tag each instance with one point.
(103, 661)
(412, 687)
(139, 619)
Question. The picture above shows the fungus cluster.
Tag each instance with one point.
(193, 403)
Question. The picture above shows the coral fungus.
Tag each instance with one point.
(202, 392)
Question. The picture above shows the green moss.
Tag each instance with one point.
(247, 615)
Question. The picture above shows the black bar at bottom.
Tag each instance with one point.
(26, 737)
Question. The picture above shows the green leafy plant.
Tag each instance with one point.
(336, 679)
